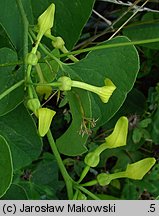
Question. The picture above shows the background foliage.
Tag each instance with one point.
(132, 69)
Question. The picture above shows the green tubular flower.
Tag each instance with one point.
(103, 92)
(66, 83)
(45, 90)
(92, 159)
(119, 135)
(135, 171)
(33, 104)
(46, 21)
(45, 116)
(104, 179)
(139, 169)
(32, 59)
(116, 139)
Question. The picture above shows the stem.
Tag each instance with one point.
(63, 49)
(45, 50)
(25, 26)
(75, 195)
(40, 74)
(62, 168)
(51, 55)
(12, 88)
(28, 73)
(130, 43)
(53, 84)
(87, 192)
(90, 183)
(84, 173)
(73, 58)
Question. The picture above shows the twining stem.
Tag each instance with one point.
(105, 46)
(45, 50)
(12, 88)
(25, 26)
(93, 196)
(67, 178)
(72, 57)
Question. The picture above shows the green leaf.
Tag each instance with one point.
(119, 64)
(155, 127)
(145, 31)
(46, 173)
(70, 17)
(9, 76)
(50, 68)
(38, 192)
(10, 19)
(72, 142)
(5, 42)
(137, 135)
(15, 192)
(130, 191)
(6, 168)
(19, 130)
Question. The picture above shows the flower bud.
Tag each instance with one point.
(66, 83)
(58, 43)
(45, 116)
(45, 21)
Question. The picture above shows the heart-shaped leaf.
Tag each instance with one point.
(6, 168)
(9, 76)
(19, 130)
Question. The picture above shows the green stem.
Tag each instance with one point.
(90, 183)
(93, 196)
(76, 194)
(12, 88)
(51, 55)
(28, 73)
(53, 84)
(46, 51)
(111, 46)
(65, 51)
(62, 168)
(25, 26)
(40, 74)
(84, 173)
